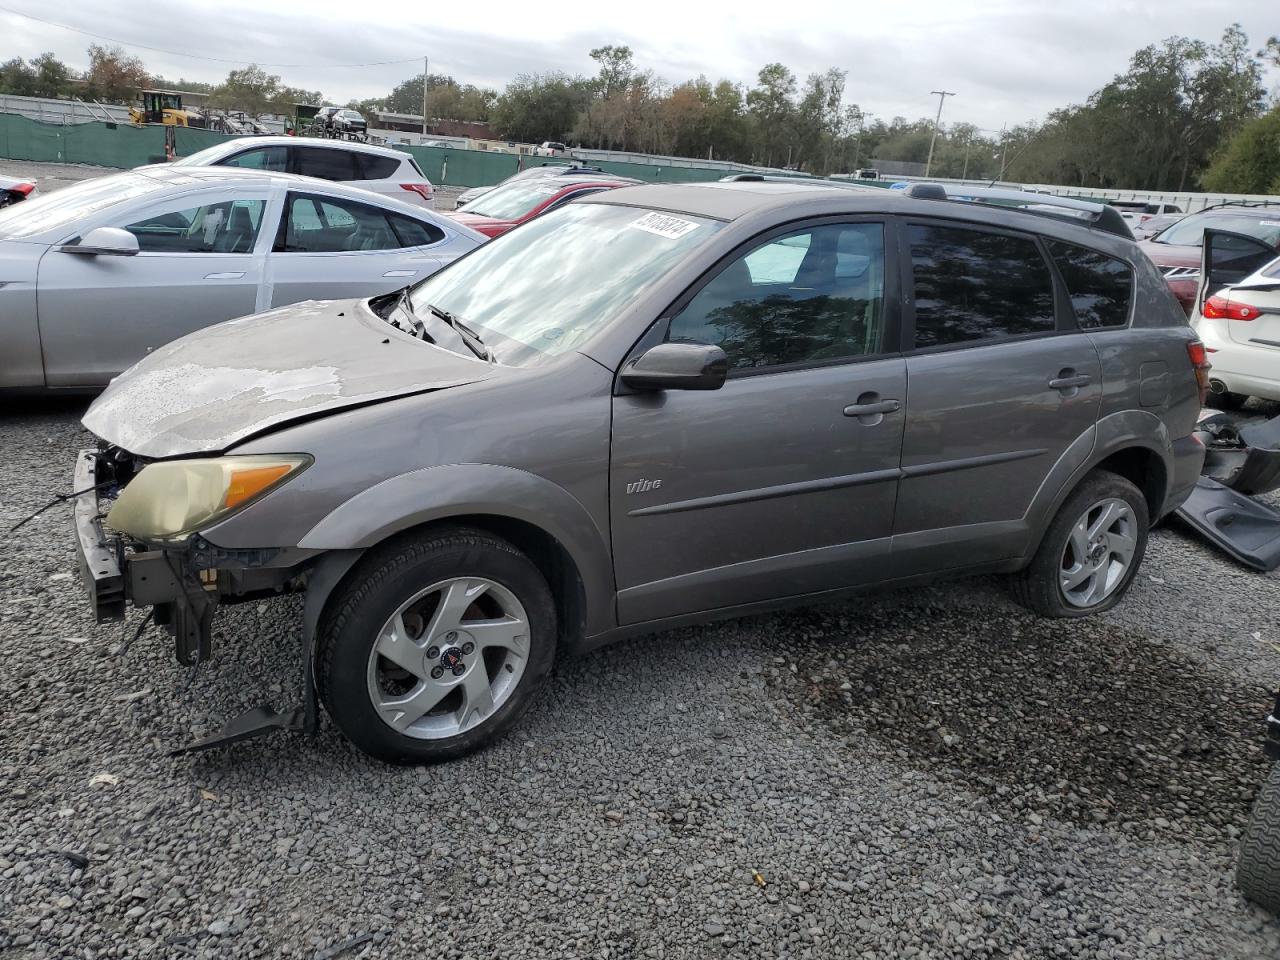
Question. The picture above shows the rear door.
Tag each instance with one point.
(200, 262)
(1000, 384)
(328, 248)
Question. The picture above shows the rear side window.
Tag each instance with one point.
(371, 166)
(1101, 287)
(325, 163)
(329, 225)
(973, 285)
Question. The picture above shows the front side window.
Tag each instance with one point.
(809, 296)
(275, 159)
(971, 285)
(1101, 287)
(317, 224)
(324, 163)
(227, 227)
(545, 289)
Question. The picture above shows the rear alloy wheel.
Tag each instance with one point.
(436, 645)
(1091, 551)
(1258, 867)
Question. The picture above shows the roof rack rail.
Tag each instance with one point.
(1099, 215)
(1240, 203)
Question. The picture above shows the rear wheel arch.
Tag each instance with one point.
(1145, 469)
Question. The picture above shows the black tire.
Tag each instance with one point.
(1226, 400)
(1258, 867)
(1037, 587)
(386, 577)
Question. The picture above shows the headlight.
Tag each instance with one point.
(172, 498)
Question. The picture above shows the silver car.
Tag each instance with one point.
(96, 276)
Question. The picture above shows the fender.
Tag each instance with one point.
(462, 489)
(1114, 432)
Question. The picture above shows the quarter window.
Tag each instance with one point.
(325, 163)
(805, 297)
(1101, 287)
(973, 285)
(328, 225)
(415, 233)
(373, 166)
(227, 227)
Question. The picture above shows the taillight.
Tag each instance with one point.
(1199, 358)
(23, 188)
(421, 189)
(1224, 308)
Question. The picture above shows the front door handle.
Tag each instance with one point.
(229, 275)
(1068, 382)
(872, 408)
(400, 273)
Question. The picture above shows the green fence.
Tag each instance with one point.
(124, 145)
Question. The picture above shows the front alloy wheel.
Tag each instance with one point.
(435, 644)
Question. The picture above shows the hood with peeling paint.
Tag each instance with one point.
(216, 387)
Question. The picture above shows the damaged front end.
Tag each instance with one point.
(180, 576)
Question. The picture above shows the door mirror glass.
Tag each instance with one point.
(105, 242)
(678, 366)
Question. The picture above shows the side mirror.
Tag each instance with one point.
(1226, 258)
(677, 366)
(104, 242)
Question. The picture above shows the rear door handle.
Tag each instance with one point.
(230, 275)
(400, 273)
(1070, 383)
(871, 409)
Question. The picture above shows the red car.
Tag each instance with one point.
(511, 204)
(1176, 249)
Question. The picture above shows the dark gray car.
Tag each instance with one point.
(659, 405)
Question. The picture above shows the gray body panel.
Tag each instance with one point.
(769, 492)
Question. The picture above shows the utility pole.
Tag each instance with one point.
(942, 98)
(857, 143)
(424, 98)
(1003, 148)
(964, 174)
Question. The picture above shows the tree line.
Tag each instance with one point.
(1185, 114)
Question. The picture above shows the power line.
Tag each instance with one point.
(196, 56)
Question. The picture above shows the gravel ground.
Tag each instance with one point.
(925, 774)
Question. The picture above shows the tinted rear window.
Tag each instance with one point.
(1190, 230)
(974, 285)
(1101, 287)
(325, 163)
(375, 167)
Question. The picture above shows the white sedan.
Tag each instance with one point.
(1238, 317)
(95, 276)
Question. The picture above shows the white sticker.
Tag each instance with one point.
(664, 225)
(1269, 223)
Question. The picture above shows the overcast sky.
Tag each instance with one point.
(1007, 60)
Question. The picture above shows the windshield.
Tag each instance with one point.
(546, 288)
(1190, 230)
(63, 208)
(511, 201)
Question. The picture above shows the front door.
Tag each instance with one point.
(331, 248)
(196, 266)
(1001, 383)
(782, 482)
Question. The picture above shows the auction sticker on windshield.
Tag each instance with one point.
(664, 225)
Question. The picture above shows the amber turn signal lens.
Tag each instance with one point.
(249, 482)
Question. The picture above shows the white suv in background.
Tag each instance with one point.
(391, 173)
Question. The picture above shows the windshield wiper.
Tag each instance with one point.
(469, 336)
